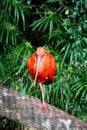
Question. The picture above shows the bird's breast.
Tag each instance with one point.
(46, 67)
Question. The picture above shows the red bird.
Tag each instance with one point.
(41, 66)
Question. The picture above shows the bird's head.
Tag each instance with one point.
(40, 51)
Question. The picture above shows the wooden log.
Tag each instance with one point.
(23, 109)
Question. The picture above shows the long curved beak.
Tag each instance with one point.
(38, 58)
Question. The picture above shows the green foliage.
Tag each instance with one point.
(8, 124)
(48, 22)
(60, 26)
(12, 19)
(80, 87)
(9, 32)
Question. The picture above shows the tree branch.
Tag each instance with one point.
(23, 109)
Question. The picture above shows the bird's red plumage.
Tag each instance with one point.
(46, 67)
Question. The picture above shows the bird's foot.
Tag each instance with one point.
(42, 106)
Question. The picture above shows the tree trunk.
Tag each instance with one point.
(23, 109)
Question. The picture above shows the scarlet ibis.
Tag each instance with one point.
(41, 66)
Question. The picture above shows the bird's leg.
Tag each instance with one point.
(42, 91)
(43, 105)
(37, 68)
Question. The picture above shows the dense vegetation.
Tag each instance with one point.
(60, 26)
